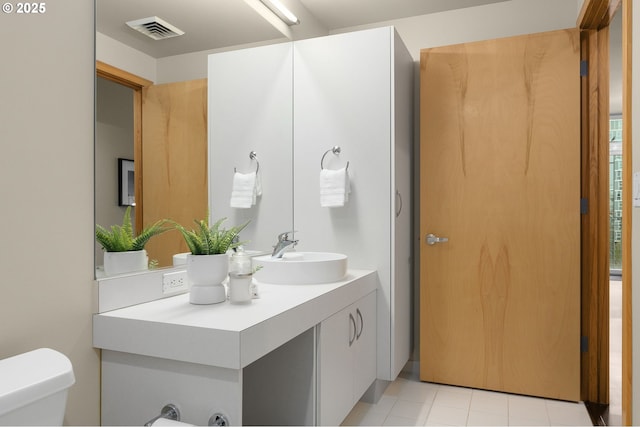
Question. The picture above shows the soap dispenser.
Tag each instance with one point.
(240, 278)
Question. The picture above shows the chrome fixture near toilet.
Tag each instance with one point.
(168, 412)
(172, 413)
(218, 420)
(34, 387)
(283, 244)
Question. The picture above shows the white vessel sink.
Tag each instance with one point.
(301, 268)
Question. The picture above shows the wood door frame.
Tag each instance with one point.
(594, 19)
(136, 83)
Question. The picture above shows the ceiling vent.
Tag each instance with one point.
(155, 28)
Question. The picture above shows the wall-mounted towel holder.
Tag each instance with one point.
(335, 150)
(253, 156)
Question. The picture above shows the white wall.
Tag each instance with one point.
(504, 19)
(192, 66)
(46, 171)
(119, 55)
(114, 140)
(457, 26)
(177, 68)
(252, 86)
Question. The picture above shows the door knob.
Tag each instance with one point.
(432, 239)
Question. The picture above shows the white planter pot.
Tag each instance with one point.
(206, 274)
(125, 262)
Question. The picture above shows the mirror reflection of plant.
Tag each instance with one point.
(214, 240)
(120, 238)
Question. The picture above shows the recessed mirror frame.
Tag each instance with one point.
(136, 83)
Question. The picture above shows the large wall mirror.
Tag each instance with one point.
(157, 53)
(161, 120)
(162, 131)
(113, 141)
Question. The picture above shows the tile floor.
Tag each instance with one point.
(408, 402)
(615, 352)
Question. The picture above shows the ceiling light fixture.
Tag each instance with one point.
(281, 11)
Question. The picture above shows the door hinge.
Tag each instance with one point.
(584, 344)
(584, 206)
(584, 68)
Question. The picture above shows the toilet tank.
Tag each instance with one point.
(33, 388)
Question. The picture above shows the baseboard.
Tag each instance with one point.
(375, 391)
(412, 367)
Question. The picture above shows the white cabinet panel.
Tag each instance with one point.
(355, 90)
(364, 369)
(336, 368)
(342, 88)
(134, 388)
(347, 359)
(402, 265)
(250, 109)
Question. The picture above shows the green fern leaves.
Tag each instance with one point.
(205, 240)
(120, 237)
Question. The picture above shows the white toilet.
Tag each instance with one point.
(33, 388)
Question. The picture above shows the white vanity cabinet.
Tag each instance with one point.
(257, 364)
(347, 359)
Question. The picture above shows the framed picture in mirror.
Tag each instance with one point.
(126, 183)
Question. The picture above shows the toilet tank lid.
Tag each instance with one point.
(30, 376)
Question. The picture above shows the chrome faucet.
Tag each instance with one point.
(283, 244)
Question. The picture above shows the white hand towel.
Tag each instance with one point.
(258, 185)
(244, 190)
(334, 187)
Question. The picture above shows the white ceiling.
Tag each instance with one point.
(214, 24)
(348, 13)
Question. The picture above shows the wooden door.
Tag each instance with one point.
(174, 160)
(500, 178)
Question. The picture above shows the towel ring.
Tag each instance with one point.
(335, 150)
(253, 156)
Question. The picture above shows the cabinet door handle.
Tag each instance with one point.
(352, 321)
(359, 313)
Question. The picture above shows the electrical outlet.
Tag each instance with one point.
(174, 281)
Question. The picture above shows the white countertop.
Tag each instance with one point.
(226, 335)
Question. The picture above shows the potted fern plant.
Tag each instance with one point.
(208, 262)
(125, 252)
